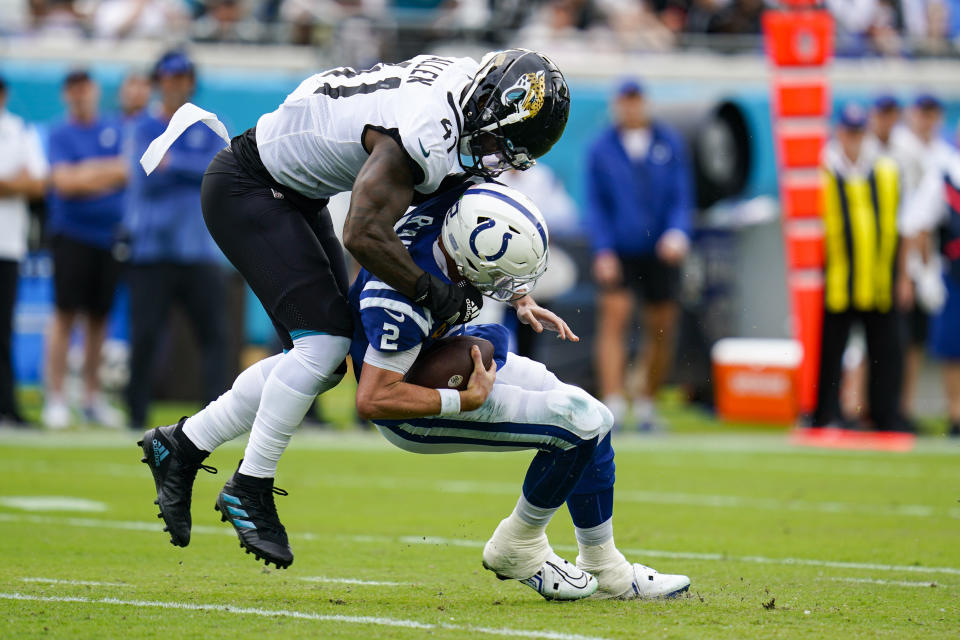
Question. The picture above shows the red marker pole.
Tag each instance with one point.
(799, 39)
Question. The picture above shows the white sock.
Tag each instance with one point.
(592, 536)
(289, 391)
(617, 405)
(644, 411)
(599, 556)
(519, 545)
(231, 414)
(533, 516)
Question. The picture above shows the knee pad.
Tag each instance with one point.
(579, 412)
(320, 354)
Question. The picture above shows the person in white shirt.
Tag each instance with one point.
(23, 172)
(936, 203)
(920, 149)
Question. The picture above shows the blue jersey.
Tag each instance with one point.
(90, 219)
(391, 322)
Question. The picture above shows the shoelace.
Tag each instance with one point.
(266, 500)
(191, 473)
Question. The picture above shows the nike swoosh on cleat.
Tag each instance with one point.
(580, 582)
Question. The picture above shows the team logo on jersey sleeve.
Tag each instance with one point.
(527, 94)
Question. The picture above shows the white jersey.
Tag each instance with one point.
(312, 142)
(21, 151)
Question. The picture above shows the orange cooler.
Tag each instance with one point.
(756, 379)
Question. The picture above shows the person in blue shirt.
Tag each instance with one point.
(173, 259)
(639, 203)
(85, 205)
(495, 238)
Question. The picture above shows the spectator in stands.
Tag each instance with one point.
(225, 21)
(23, 171)
(118, 19)
(936, 204)
(173, 258)
(88, 175)
(639, 203)
(134, 94)
(861, 203)
(927, 24)
(56, 18)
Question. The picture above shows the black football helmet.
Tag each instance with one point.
(513, 112)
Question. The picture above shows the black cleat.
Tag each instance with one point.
(173, 475)
(247, 503)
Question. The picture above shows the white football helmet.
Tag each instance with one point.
(498, 239)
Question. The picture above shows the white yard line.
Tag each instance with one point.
(85, 583)
(458, 542)
(373, 583)
(893, 583)
(306, 615)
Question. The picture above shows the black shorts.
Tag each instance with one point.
(918, 326)
(84, 277)
(282, 244)
(650, 278)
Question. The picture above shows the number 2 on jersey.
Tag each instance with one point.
(390, 334)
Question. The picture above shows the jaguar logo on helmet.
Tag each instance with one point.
(513, 112)
(527, 93)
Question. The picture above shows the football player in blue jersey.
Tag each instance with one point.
(496, 239)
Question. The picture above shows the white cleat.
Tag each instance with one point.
(558, 579)
(104, 414)
(650, 584)
(56, 415)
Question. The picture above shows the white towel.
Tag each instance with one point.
(185, 117)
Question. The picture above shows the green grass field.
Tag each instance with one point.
(779, 543)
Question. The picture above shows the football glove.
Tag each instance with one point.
(452, 303)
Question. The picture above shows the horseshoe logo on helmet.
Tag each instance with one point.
(483, 226)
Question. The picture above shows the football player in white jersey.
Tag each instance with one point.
(391, 134)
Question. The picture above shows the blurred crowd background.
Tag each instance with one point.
(661, 196)
(371, 30)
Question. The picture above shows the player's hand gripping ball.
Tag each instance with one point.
(446, 364)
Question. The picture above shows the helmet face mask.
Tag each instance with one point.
(498, 240)
(514, 111)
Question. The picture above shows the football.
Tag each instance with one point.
(446, 364)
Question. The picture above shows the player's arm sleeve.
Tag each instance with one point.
(423, 140)
(924, 208)
(396, 361)
(390, 321)
(598, 205)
